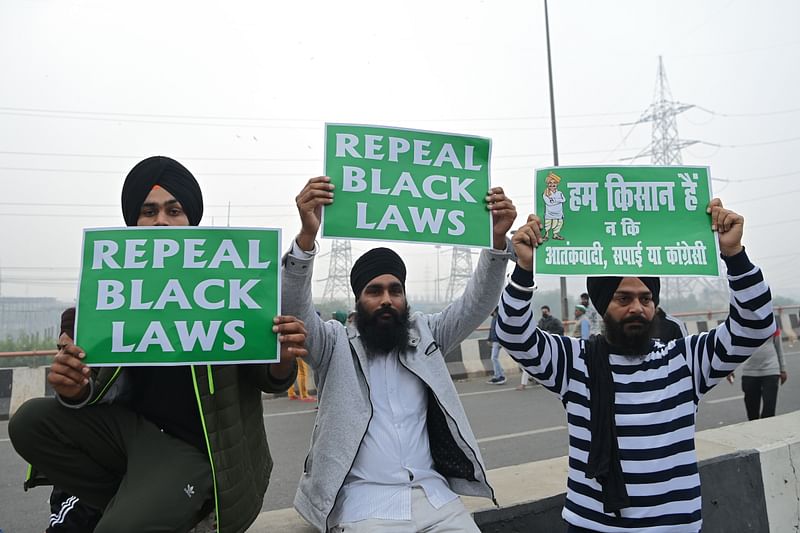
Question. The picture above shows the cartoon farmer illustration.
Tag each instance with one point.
(554, 208)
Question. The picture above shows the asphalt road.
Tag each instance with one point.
(512, 427)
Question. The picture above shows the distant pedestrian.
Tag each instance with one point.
(340, 316)
(595, 320)
(761, 376)
(583, 329)
(499, 377)
(549, 323)
(299, 389)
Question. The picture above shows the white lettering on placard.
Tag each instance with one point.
(576, 255)
(117, 343)
(163, 248)
(198, 333)
(347, 145)
(645, 196)
(109, 294)
(133, 251)
(684, 253)
(232, 331)
(103, 254)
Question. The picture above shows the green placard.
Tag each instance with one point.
(625, 221)
(177, 296)
(407, 185)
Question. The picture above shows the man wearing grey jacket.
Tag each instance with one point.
(391, 444)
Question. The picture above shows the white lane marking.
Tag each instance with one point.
(5, 440)
(730, 398)
(270, 415)
(504, 389)
(521, 434)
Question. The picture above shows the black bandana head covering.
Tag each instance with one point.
(374, 263)
(602, 289)
(172, 177)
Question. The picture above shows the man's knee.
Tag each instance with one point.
(24, 428)
(135, 519)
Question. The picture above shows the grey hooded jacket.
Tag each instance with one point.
(338, 358)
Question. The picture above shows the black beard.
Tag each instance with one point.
(633, 344)
(379, 336)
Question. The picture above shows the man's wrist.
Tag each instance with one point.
(730, 252)
(283, 370)
(305, 241)
(79, 400)
(523, 277)
(738, 263)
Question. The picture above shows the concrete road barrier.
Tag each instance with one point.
(472, 358)
(749, 478)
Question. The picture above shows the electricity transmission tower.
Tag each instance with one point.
(337, 284)
(665, 145)
(460, 272)
(665, 149)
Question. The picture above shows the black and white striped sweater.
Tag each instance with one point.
(656, 398)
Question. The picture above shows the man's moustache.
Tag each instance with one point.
(634, 320)
(386, 310)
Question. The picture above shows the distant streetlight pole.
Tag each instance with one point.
(563, 280)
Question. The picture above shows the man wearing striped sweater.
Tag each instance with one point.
(631, 400)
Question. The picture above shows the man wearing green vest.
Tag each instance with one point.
(158, 448)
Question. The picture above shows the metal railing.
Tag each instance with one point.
(706, 315)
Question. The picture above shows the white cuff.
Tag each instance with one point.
(299, 253)
(522, 288)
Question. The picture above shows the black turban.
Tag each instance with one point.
(602, 289)
(172, 177)
(374, 263)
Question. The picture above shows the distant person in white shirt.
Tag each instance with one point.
(595, 321)
(392, 447)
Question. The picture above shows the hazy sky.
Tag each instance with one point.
(239, 92)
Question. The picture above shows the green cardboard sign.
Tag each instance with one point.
(178, 296)
(407, 185)
(625, 221)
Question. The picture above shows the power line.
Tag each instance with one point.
(777, 222)
(299, 160)
(123, 172)
(194, 158)
(746, 145)
(116, 206)
(146, 121)
(755, 114)
(315, 127)
(759, 178)
(741, 51)
(117, 216)
(280, 119)
(781, 193)
(284, 206)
